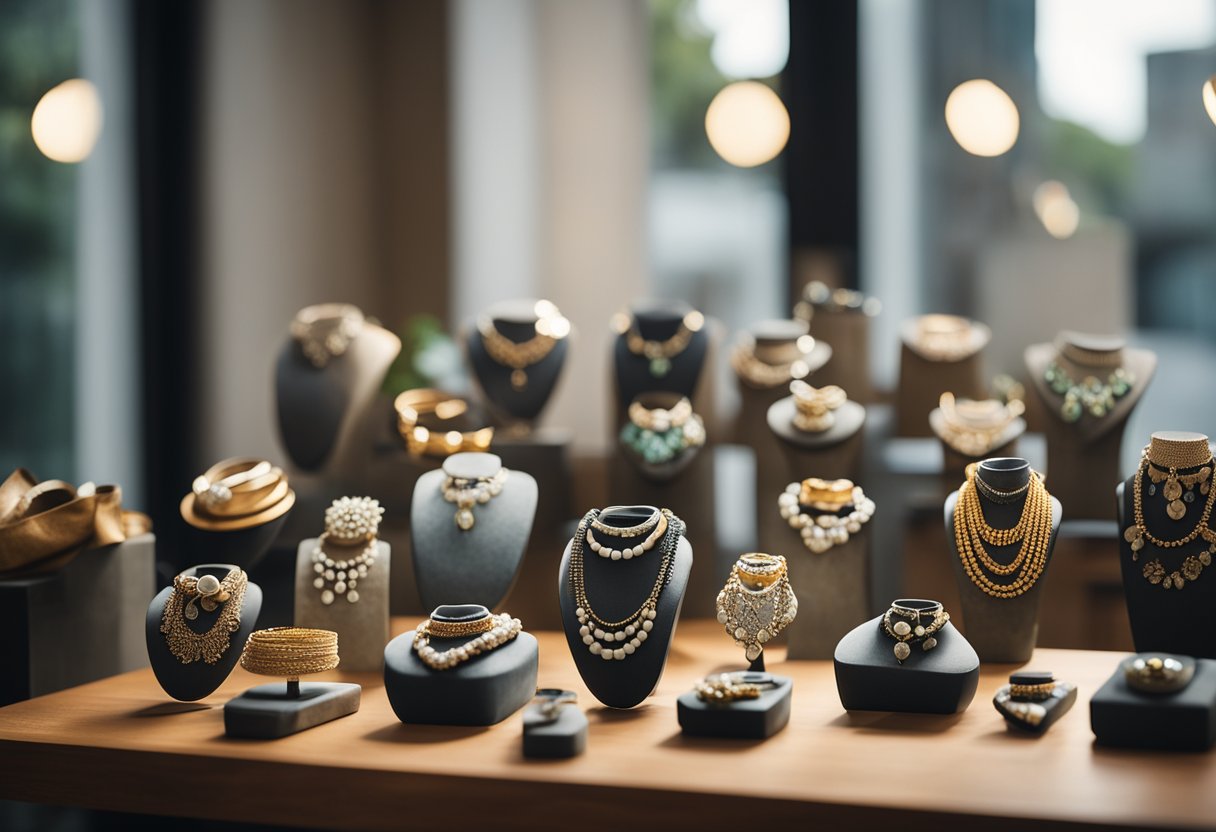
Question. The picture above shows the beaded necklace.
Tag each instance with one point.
(1033, 530)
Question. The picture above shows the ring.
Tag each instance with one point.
(549, 703)
(1157, 674)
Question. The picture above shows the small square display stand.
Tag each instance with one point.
(276, 710)
(560, 739)
(747, 719)
(1184, 721)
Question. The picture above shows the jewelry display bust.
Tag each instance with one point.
(941, 679)
(516, 350)
(1000, 605)
(939, 354)
(661, 346)
(616, 588)
(481, 689)
(1170, 589)
(478, 564)
(196, 678)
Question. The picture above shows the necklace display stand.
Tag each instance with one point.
(954, 463)
(939, 681)
(1001, 629)
(848, 331)
(480, 565)
(484, 690)
(835, 453)
(1088, 451)
(511, 404)
(198, 680)
(1122, 717)
(243, 547)
(280, 709)
(616, 588)
(922, 379)
(1175, 620)
(362, 627)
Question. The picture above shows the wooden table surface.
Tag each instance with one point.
(120, 744)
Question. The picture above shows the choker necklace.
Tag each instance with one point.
(325, 331)
(1090, 395)
(209, 592)
(945, 338)
(619, 639)
(1033, 530)
(348, 520)
(653, 529)
(973, 427)
(765, 376)
(1165, 469)
(909, 629)
(658, 353)
(1003, 497)
(829, 525)
(467, 493)
(492, 631)
(1137, 534)
(550, 328)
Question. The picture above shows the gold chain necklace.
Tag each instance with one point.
(518, 355)
(761, 374)
(1137, 535)
(660, 353)
(209, 593)
(1033, 530)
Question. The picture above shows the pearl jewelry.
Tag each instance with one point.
(348, 520)
(504, 629)
(823, 531)
(628, 552)
(466, 493)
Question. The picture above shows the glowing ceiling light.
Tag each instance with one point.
(1056, 209)
(747, 124)
(67, 121)
(1209, 98)
(982, 118)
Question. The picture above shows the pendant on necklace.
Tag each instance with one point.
(660, 366)
(519, 380)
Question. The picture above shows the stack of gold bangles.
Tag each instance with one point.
(975, 427)
(237, 493)
(290, 652)
(439, 438)
(814, 406)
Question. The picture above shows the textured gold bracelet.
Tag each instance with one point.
(290, 652)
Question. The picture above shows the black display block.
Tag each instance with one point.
(560, 739)
(1122, 717)
(271, 711)
(747, 719)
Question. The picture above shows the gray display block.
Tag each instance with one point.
(923, 380)
(1183, 721)
(560, 739)
(833, 590)
(835, 453)
(62, 629)
(747, 719)
(268, 712)
(362, 627)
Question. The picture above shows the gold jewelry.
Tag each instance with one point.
(1091, 395)
(814, 406)
(290, 652)
(550, 328)
(724, 688)
(944, 338)
(467, 493)
(757, 602)
(818, 297)
(1033, 530)
(503, 628)
(1153, 457)
(349, 521)
(425, 404)
(973, 428)
(1137, 534)
(762, 375)
(44, 525)
(660, 434)
(910, 629)
(325, 331)
(658, 353)
(835, 509)
(1157, 674)
(1025, 704)
(1032, 692)
(618, 639)
(237, 493)
(1003, 497)
(208, 592)
(1163, 457)
(549, 703)
(439, 628)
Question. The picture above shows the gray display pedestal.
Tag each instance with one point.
(922, 382)
(362, 627)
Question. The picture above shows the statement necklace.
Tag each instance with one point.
(619, 639)
(1033, 530)
(909, 629)
(762, 375)
(659, 353)
(550, 327)
(1137, 534)
(827, 524)
(467, 493)
(757, 602)
(1090, 395)
(348, 520)
(209, 592)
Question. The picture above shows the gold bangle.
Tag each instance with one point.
(413, 406)
(237, 493)
(826, 495)
(1038, 692)
(459, 629)
(290, 652)
(758, 570)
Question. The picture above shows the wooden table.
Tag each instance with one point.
(118, 744)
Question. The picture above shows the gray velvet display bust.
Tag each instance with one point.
(480, 565)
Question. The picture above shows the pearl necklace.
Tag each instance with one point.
(347, 520)
(618, 639)
(823, 531)
(626, 552)
(466, 493)
(504, 629)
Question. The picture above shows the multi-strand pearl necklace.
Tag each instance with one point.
(823, 531)
(654, 528)
(348, 520)
(619, 639)
(498, 630)
(466, 493)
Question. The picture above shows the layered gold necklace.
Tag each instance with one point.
(972, 532)
(1166, 469)
(550, 327)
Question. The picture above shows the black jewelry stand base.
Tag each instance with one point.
(268, 712)
(560, 739)
(1122, 717)
(1054, 708)
(747, 719)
